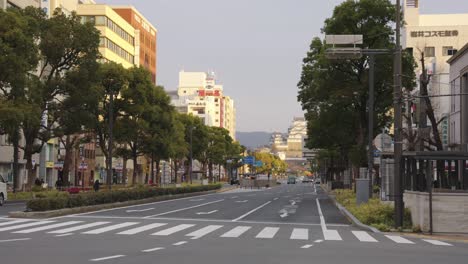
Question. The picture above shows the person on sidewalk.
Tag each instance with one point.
(96, 186)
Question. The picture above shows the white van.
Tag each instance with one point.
(3, 190)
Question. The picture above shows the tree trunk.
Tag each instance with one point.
(69, 147)
(135, 165)
(210, 172)
(124, 169)
(15, 141)
(152, 169)
(158, 182)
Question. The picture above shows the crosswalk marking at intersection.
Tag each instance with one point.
(399, 239)
(363, 236)
(109, 228)
(76, 228)
(141, 229)
(47, 227)
(236, 231)
(172, 230)
(204, 231)
(300, 233)
(268, 232)
(25, 225)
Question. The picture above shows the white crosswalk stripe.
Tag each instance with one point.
(236, 231)
(300, 233)
(109, 228)
(437, 242)
(363, 236)
(141, 229)
(14, 222)
(267, 232)
(172, 230)
(399, 239)
(76, 228)
(204, 231)
(25, 225)
(331, 235)
(47, 227)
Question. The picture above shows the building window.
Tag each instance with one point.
(446, 50)
(100, 21)
(117, 50)
(429, 51)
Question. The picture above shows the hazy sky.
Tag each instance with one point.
(255, 47)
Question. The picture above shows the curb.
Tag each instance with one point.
(353, 219)
(92, 208)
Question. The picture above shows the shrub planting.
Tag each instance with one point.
(65, 200)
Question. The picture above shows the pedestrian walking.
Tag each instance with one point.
(96, 186)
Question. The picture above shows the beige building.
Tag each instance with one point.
(438, 36)
(119, 41)
(199, 94)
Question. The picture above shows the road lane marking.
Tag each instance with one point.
(109, 228)
(196, 200)
(141, 229)
(275, 199)
(243, 201)
(307, 246)
(318, 241)
(363, 236)
(16, 239)
(172, 230)
(63, 235)
(47, 227)
(234, 197)
(106, 258)
(267, 232)
(25, 225)
(283, 213)
(204, 231)
(207, 213)
(300, 233)
(152, 249)
(251, 211)
(179, 243)
(14, 222)
(138, 205)
(327, 234)
(142, 210)
(76, 228)
(399, 239)
(437, 242)
(236, 231)
(183, 209)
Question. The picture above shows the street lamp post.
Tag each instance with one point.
(191, 154)
(111, 137)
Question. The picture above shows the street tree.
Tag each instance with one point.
(334, 94)
(19, 31)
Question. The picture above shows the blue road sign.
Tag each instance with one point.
(249, 160)
(258, 163)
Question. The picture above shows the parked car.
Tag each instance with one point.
(291, 180)
(317, 181)
(3, 190)
(307, 179)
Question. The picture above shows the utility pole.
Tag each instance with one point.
(371, 119)
(398, 124)
(111, 139)
(191, 154)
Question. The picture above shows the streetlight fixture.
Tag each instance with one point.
(111, 136)
(191, 152)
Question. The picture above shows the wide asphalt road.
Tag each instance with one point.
(288, 224)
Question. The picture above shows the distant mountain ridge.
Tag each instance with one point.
(253, 139)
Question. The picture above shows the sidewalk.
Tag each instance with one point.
(460, 238)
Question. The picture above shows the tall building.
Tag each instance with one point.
(145, 37)
(291, 146)
(439, 36)
(199, 94)
(19, 3)
(459, 100)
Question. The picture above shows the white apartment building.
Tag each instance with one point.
(199, 94)
(439, 36)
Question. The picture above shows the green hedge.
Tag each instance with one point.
(103, 197)
(373, 213)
